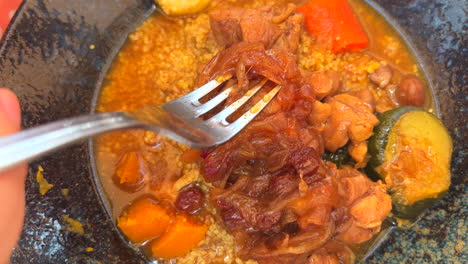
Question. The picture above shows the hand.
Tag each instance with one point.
(12, 197)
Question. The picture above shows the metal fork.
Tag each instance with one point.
(177, 119)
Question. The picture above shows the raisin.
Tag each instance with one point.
(190, 199)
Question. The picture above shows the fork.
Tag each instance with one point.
(178, 119)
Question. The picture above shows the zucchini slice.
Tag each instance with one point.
(340, 157)
(411, 152)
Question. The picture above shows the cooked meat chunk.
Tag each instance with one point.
(358, 151)
(371, 210)
(355, 234)
(366, 96)
(238, 24)
(320, 113)
(370, 205)
(382, 76)
(226, 31)
(256, 26)
(354, 184)
(266, 25)
(292, 29)
(290, 8)
(352, 120)
(225, 26)
(324, 83)
(323, 259)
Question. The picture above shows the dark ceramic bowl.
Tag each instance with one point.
(47, 58)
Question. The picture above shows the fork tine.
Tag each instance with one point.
(221, 116)
(240, 123)
(200, 92)
(206, 107)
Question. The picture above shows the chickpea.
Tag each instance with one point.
(382, 76)
(411, 91)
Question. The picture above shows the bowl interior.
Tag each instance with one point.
(47, 59)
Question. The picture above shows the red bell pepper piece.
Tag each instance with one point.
(334, 19)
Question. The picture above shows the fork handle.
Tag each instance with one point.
(32, 143)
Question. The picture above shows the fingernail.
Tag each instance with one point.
(9, 105)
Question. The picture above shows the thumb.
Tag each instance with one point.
(12, 181)
(10, 113)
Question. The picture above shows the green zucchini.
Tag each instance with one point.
(410, 151)
(340, 157)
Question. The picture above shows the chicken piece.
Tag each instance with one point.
(256, 26)
(268, 25)
(360, 130)
(366, 96)
(350, 119)
(238, 24)
(355, 234)
(354, 184)
(315, 206)
(358, 151)
(292, 29)
(335, 133)
(382, 76)
(368, 205)
(383, 104)
(324, 83)
(331, 253)
(226, 31)
(323, 259)
(290, 8)
(320, 113)
(371, 210)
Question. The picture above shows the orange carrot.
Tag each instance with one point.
(128, 170)
(318, 18)
(334, 20)
(144, 220)
(181, 237)
(190, 155)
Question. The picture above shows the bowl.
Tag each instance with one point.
(55, 55)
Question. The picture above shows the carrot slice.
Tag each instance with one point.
(190, 155)
(181, 237)
(128, 170)
(318, 18)
(144, 220)
(348, 33)
(334, 20)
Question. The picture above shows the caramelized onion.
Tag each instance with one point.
(302, 243)
(276, 196)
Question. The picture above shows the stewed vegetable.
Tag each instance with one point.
(411, 151)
